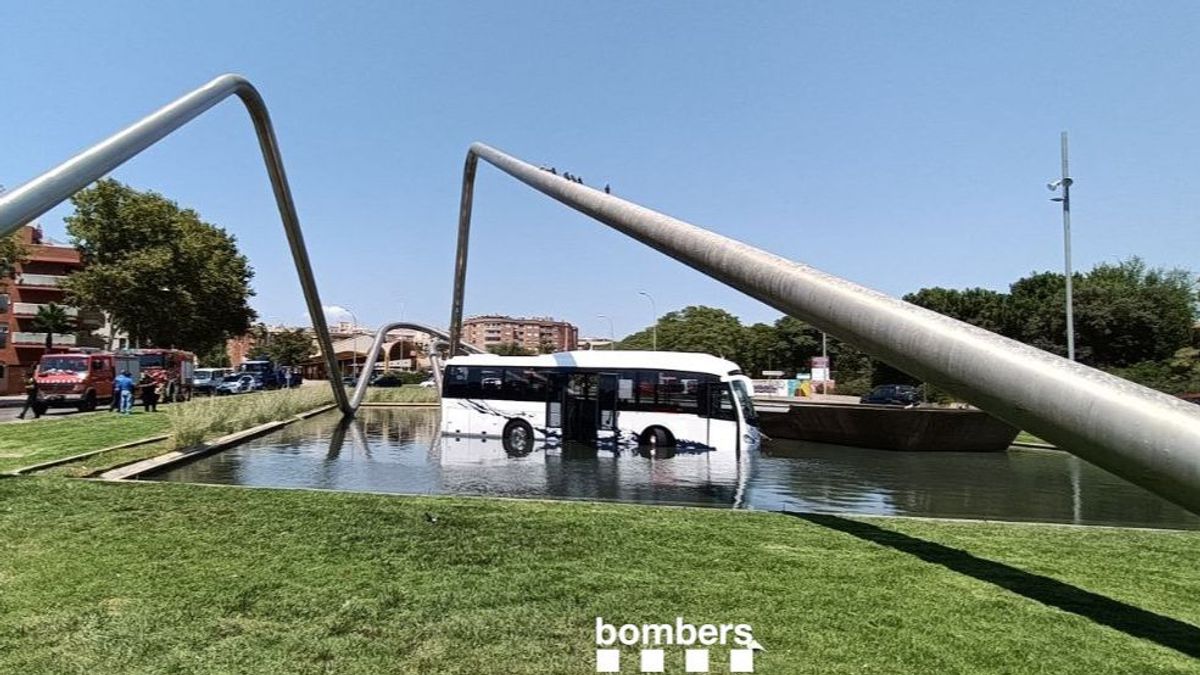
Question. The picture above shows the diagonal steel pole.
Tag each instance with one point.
(1142, 435)
(43, 193)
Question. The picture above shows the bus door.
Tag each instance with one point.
(722, 416)
(581, 412)
(607, 395)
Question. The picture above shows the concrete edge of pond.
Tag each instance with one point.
(84, 455)
(689, 507)
(139, 467)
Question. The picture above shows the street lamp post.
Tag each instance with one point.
(612, 332)
(654, 323)
(1065, 183)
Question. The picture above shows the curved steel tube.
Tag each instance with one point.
(1140, 434)
(43, 193)
(360, 388)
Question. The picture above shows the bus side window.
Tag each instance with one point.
(677, 392)
(490, 382)
(456, 382)
(627, 390)
(516, 385)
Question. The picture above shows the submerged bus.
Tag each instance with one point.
(624, 398)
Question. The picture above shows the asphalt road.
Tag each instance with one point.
(9, 414)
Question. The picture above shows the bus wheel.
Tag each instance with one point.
(659, 437)
(518, 437)
(89, 402)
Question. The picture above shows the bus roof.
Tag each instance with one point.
(608, 359)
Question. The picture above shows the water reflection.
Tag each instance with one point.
(402, 451)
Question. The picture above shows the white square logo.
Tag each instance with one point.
(695, 661)
(652, 660)
(608, 660)
(741, 660)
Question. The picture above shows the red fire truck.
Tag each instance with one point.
(80, 378)
(171, 368)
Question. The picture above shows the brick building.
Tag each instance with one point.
(36, 281)
(538, 334)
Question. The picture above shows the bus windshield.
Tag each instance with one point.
(59, 365)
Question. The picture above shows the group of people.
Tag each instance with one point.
(124, 389)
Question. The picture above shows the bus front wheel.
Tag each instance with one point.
(518, 437)
(659, 437)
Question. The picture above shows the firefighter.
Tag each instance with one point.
(31, 398)
(149, 391)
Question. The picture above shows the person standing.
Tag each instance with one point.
(124, 386)
(31, 398)
(149, 391)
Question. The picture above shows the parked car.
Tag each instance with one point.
(205, 380)
(428, 384)
(237, 384)
(893, 394)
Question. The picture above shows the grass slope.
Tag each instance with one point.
(176, 578)
(22, 444)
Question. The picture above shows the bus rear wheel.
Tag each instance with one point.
(518, 437)
(658, 437)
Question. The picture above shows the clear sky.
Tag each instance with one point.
(899, 145)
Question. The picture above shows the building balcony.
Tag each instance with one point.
(39, 339)
(40, 280)
(31, 309)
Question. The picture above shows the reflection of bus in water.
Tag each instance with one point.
(626, 398)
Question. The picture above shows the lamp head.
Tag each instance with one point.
(1053, 185)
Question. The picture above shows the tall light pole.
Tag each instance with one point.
(654, 311)
(1065, 183)
(612, 332)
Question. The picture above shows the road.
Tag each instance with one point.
(9, 414)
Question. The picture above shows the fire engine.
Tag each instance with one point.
(80, 378)
(170, 368)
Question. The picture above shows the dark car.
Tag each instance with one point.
(893, 394)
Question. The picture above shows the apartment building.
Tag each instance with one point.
(537, 334)
(36, 282)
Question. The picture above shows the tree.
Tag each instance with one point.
(291, 347)
(509, 349)
(692, 329)
(164, 275)
(214, 357)
(50, 319)
(977, 306)
(13, 252)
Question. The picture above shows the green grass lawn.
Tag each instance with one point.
(157, 578)
(52, 437)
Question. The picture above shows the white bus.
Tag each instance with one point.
(690, 402)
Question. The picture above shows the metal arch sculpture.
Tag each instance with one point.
(360, 388)
(43, 193)
(1142, 435)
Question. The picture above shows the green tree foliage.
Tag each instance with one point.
(1125, 313)
(213, 357)
(978, 306)
(164, 275)
(291, 347)
(13, 252)
(509, 349)
(692, 329)
(50, 319)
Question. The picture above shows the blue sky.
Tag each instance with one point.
(899, 145)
